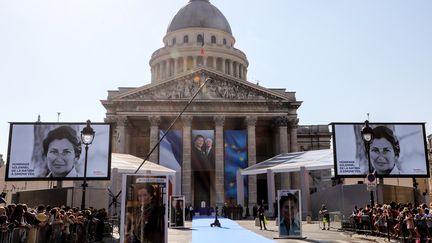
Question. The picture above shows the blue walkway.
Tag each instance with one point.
(230, 232)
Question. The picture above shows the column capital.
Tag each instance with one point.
(282, 121)
(219, 120)
(110, 119)
(293, 123)
(121, 121)
(154, 120)
(187, 120)
(251, 120)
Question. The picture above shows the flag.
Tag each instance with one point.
(236, 157)
(202, 45)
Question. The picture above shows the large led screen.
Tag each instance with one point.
(54, 151)
(396, 150)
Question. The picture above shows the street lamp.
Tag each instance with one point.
(87, 136)
(367, 135)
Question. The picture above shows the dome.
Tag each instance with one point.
(199, 13)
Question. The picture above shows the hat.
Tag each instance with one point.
(405, 209)
(41, 217)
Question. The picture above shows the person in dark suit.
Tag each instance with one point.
(261, 217)
(255, 211)
(199, 158)
(210, 151)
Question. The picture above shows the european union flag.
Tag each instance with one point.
(235, 158)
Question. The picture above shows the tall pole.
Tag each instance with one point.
(84, 185)
(372, 201)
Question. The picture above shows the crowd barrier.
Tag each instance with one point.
(388, 228)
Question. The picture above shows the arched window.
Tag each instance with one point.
(186, 39)
(213, 39)
(224, 41)
(174, 41)
(200, 39)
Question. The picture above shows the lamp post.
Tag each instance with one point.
(367, 135)
(87, 136)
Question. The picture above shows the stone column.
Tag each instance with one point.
(113, 121)
(187, 166)
(185, 64)
(238, 70)
(219, 163)
(215, 63)
(175, 66)
(231, 68)
(167, 68)
(296, 177)
(154, 138)
(223, 65)
(293, 134)
(120, 134)
(304, 186)
(195, 61)
(252, 182)
(271, 190)
(282, 131)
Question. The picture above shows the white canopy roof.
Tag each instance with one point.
(129, 163)
(291, 162)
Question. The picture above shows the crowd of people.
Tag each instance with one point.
(395, 219)
(22, 224)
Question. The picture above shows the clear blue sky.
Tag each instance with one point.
(343, 58)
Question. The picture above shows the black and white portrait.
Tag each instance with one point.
(42, 151)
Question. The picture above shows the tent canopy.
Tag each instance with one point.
(129, 163)
(291, 162)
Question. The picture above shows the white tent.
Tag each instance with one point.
(301, 162)
(126, 163)
(292, 162)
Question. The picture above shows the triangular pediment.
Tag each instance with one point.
(219, 87)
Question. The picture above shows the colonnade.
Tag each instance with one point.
(173, 66)
(287, 142)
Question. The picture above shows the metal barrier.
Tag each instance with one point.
(388, 228)
(77, 233)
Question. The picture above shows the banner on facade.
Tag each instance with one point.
(203, 166)
(171, 154)
(289, 214)
(397, 150)
(54, 151)
(236, 158)
(177, 211)
(203, 150)
(144, 203)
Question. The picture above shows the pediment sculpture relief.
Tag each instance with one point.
(215, 89)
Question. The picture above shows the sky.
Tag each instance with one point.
(343, 59)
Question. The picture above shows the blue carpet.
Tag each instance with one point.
(230, 232)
